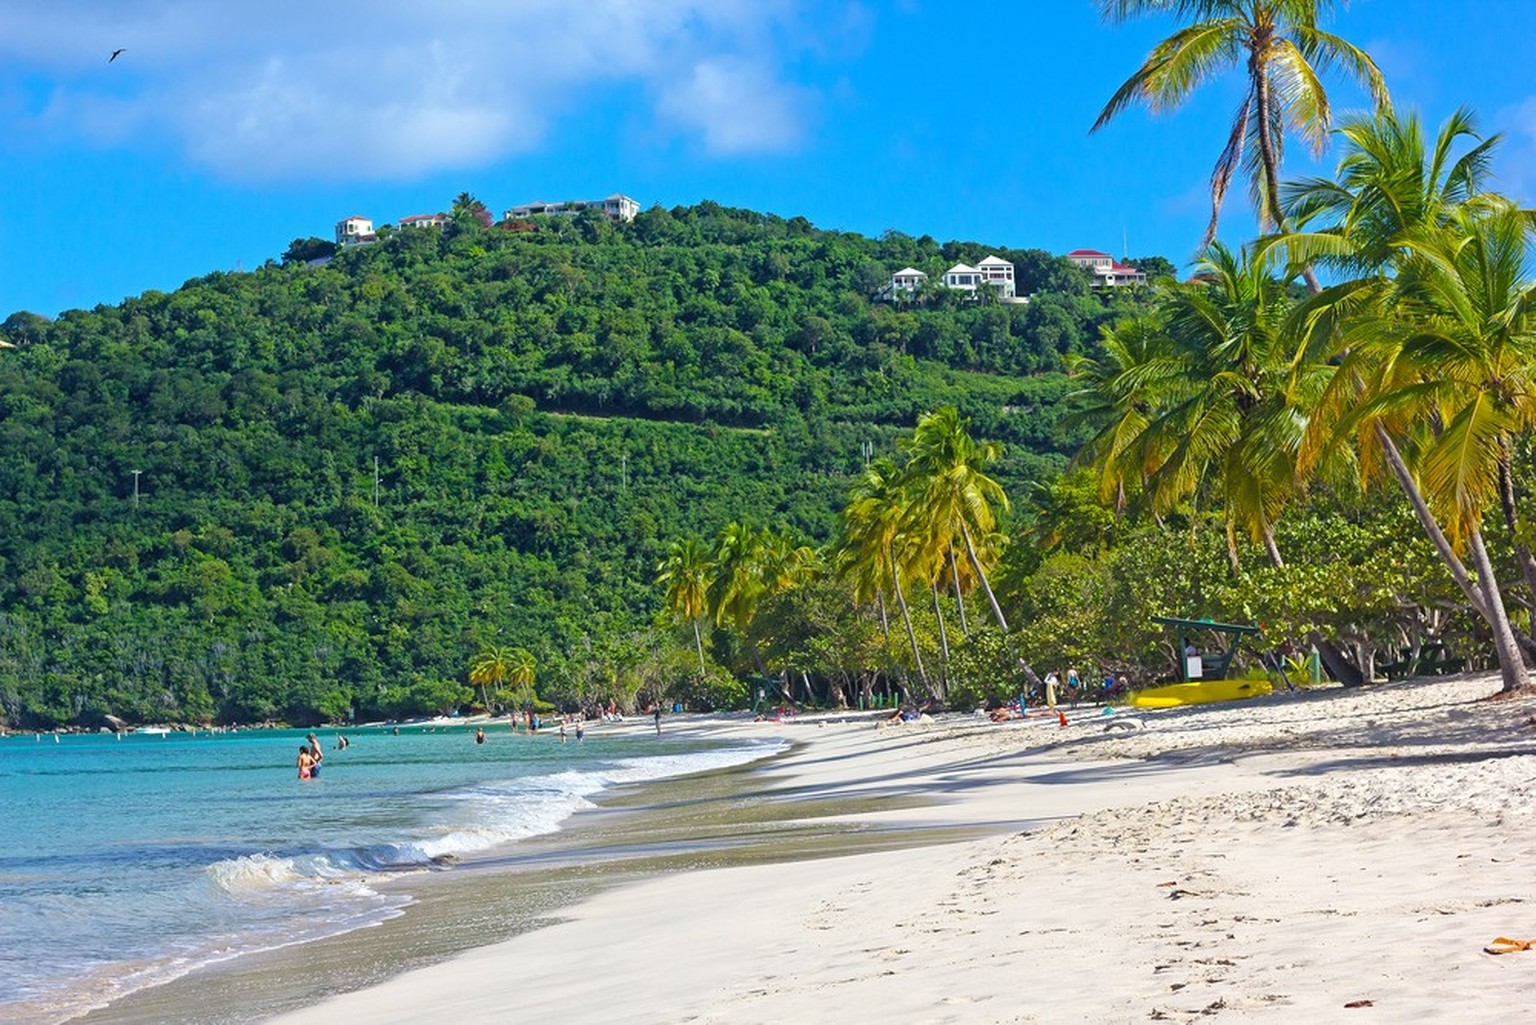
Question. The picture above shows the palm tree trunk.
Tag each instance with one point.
(954, 575)
(943, 643)
(885, 620)
(1232, 559)
(1271, 161)
(1512, 521)
(1272, 549)
(1477, 594)
(906, 617)
(981, 574)
(1267, 156)
(698, 641)
(1431, 526)
(1511, 665)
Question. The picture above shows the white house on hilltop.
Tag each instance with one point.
(908, 279)
(992, 271)
(617, 207)
(1107, 273)
(354, 230)
(424, 221)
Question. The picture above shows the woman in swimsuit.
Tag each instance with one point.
(306, 762)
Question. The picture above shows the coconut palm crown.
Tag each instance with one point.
(1283, 52)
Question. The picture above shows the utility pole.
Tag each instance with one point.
(136, 487)
(624, 470)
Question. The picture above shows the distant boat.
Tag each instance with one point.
(154, 731)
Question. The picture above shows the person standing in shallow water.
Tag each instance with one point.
(316, 756)
(480, 736)
(306, 762)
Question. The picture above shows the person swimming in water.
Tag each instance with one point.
(480, 736)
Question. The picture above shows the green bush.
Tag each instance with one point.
(983, 670)
(716, 692)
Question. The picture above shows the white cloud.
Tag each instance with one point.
(398, 88)
(736, 107)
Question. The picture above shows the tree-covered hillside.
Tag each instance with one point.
(190, 522)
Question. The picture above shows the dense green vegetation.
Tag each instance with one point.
(547, 409)
(1346, 466)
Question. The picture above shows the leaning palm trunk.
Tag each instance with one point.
(698, 642)
(1272, 549)
(1511, 665)
(1430, 524)
(1512, 521)
(906, 618)
(1483, 594)
(981, 574)
(954, 576)
(938, 614)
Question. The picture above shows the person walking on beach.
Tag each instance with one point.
(316, 755)
(306, 762)
(1051, 680)
(1074, 684)
(656, 715)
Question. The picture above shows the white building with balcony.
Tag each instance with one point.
(354, 230)
(617, 207)
(908, 279)
(1106, 271)
(424, 221)
(992, 271)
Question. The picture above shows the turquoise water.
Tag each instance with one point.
(127, 862)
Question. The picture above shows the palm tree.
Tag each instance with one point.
(1390, 179)
(738, 585)
(1281, 49)
(873, 532)
(522, 669)
(491, 668)
(1433, 252)
(952, 494)
(467, 205)
(1202, 394)
(1438, 377)
(686, 575)
(1117, 394)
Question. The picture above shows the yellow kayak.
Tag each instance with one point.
(1199, 693)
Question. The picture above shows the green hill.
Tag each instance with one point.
(546, 408)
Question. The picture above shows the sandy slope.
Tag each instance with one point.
(1274, 860)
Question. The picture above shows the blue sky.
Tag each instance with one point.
(225, 130)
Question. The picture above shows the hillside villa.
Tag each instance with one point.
(992, 271)
(356, 230)
(1107, 273)
(617, 207)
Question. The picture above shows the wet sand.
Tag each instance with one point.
(707, 820)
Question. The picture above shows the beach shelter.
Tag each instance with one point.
(1209, 665)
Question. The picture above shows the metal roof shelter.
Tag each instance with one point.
(1206, 667)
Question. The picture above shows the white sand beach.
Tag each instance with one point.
(1279, 859)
